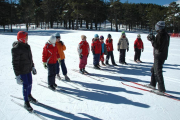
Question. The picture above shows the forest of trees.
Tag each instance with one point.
(73, 13)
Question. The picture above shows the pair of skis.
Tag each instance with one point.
(152, 91)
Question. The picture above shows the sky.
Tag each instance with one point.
(159, 2)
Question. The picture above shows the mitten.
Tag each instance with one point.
(19, 80)
(59, 61)
(34, 72)
(45, 65)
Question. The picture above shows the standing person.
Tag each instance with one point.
(103, 49)
(122, 46)
(49, 58)
(23, 65)
(83, 51)
(61, 48)
(160, 44)
(109, 47)
(96, 50)
(138, 47)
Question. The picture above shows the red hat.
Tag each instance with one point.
(21, 36)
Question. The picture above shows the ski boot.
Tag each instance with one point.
(55, 85)
(51, 87)
(31, 99)
(103, 63)
(150, 86)
(67, 78)
(58, 77)
(81, 71)
(28, 107)
(85, 71)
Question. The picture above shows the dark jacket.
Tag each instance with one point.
(161, 44)
(21, 58)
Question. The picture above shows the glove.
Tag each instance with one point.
(59, 61)
(118, 49)
(80, 56)
(19, 80)
(127, 49)
(151, 37)
(61, 42)
(45, 65)
(34, 72)
(142, 50)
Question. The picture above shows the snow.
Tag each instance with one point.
(107, 99)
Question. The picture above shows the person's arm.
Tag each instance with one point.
(16, 61)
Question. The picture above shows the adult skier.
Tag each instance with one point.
(160, 44)
(23, 66)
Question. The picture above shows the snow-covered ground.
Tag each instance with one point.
(107, 98)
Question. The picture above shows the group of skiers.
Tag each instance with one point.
(53, 57)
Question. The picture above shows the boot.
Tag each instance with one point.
(58, 77)
(103, 63)
(96, 67)
(150, 86)
(55, 85)
(51, 87)
(28, 107)
(81, 71)
(67, 78)
(85, 71)
(31, 99)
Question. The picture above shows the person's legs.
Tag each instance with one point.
(63, 67)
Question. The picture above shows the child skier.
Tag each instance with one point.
(83, 51)
(49, 58)
(23, 65)
(138, 47)
(109, 47)
(103, 50)
(122, 46)
(61, 48)
(96, 50)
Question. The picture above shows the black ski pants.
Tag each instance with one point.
(157, 75)
(51, 73)
(122, 56)
(137, 54)
(110, 54)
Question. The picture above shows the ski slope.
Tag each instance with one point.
(102, 98)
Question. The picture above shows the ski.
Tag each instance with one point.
(145, 86)
(151, 91)
(44, 105)
(88, 75)
(34, 112)
(61, 92)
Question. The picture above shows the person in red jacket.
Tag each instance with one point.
(96, 50)
(109, 47)
(83, 51)
(138, 47)
(49, 58)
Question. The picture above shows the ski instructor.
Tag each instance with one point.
(160, 44)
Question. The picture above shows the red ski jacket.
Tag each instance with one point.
(50, 54)
(83, 48)
(109, 45)
(96, 47)
(138, 44)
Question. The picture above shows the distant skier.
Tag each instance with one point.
(23, 66)
(122, 46)
(160, 44)
(96, 50)
(49, 57)
(138, 47)
(103, 50)
(83, 51)
(109, 47)
(61, 48)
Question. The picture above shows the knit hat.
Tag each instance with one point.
(52, 40)
(123, 33)
(109, 36)
(160, 25)
(57, 35)
(101, 37)
(21, 36)
(96, 36)
(83, 37)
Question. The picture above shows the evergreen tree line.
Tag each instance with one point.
(72, 14)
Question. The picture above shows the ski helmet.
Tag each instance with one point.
(96, 36)
(52, 40)
(109, 36)
(21, 36)
(160, 25)
(57, 35)
(101, 37)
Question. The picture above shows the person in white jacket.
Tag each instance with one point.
(122, 46)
